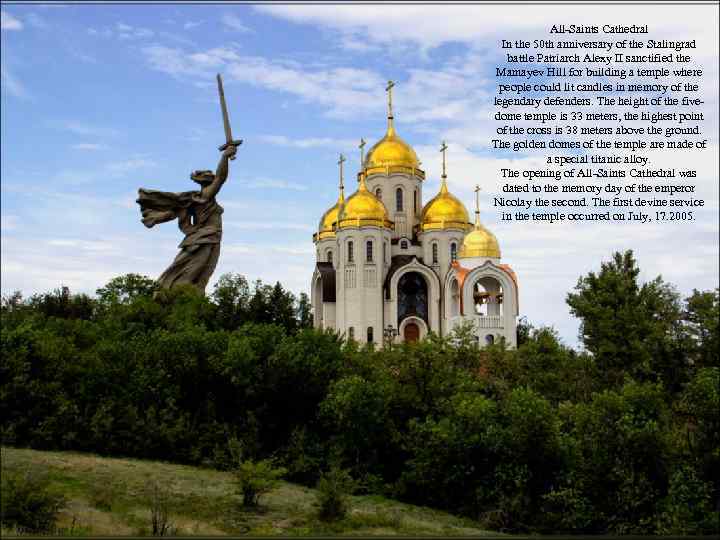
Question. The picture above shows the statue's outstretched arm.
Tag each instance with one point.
(208, 192)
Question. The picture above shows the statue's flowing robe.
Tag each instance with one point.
(200, 221)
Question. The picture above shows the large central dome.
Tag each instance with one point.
(391, 154)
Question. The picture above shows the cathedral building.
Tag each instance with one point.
(390, 268)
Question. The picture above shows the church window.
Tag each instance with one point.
(384, 252)
(415, 201)
(351, 332)
(399, 199)
(350, 253)
(329, 257)
(435, 253)
(453, 252)
(378, 193)
(370, 334)
(369, 251)
(489, 339)
(403, 244)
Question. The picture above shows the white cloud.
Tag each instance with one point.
(89, 146)
(345, 90)
(309, 142)
(270, 225)
(125, 31)
(8, 222)
(8, 22)
(12, 84)
(80, 128)
(189, 25)
(434, 25)
(120, 168)
(269, 183)
(233, 22)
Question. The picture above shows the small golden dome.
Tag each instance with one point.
(444, 211)
(328, 221)
(392, 154)
(479, 242)
(362, 209)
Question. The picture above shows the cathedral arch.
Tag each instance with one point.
(493, 280)
(413, 329)
(428, 310)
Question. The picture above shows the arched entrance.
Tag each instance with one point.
(413, 329)
(411, 333)
(412, 297)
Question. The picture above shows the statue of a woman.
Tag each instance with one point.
(199, 218)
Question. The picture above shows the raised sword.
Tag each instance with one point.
(229, 141)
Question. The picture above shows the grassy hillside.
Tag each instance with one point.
(107, 496)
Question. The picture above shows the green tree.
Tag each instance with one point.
(702, 317)
(231, 294)
(124, 289)
(304, 315)
(628, 327)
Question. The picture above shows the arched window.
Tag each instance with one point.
(378, 193)
(351, 332)
(489, 339)
(350, 253)
(453, 252)
(384, 252)
(435, 253)
(370, 334)
(415, 200)
(399, 199)
(403, 244)
(329, 256)
(369, 251)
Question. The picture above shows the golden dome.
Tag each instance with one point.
(328, 221)
(362, 209)
(444, 211)
(479, 242)
(392, 154)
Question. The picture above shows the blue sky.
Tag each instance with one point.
(100, 100)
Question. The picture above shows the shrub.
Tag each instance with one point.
(256, 478)
(334, 487)
(28, 504)
(159, 499)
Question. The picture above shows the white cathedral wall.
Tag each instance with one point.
(409, 216)
(359, 284)
(443, 238)
(322, 247)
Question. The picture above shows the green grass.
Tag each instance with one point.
(107, 496)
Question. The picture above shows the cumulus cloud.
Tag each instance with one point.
(8, 22)
(233, 22)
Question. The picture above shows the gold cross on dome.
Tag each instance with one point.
(443, 148)
(340, 162)
(361, 146)
(389, 91)
(477, 199)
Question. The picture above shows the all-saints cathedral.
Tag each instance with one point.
(390, 267)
